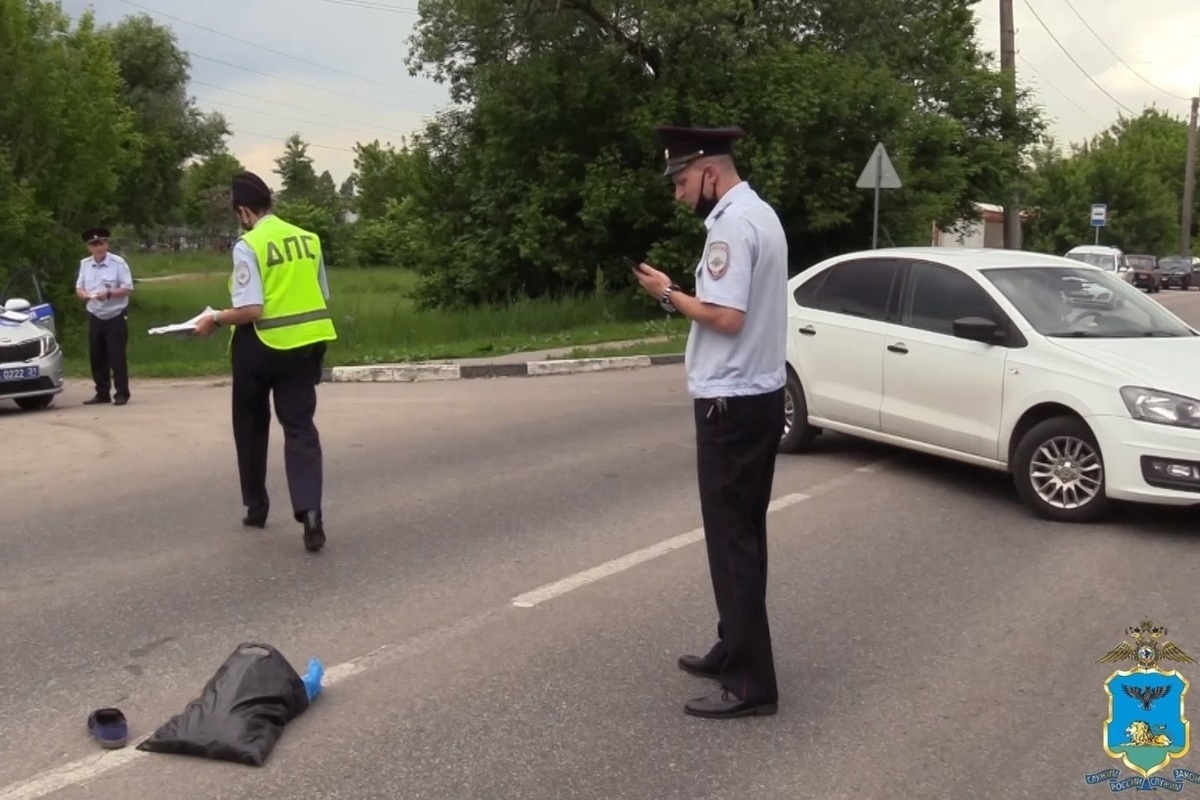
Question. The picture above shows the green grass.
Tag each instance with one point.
(672, 344)
(374, 315)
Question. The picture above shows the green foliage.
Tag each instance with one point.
(553, 170)
(59, 170)
(1135, 167)
(376, 321)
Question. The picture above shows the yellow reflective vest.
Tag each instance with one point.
(289, 260)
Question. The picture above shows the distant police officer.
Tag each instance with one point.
(106, 282)
(735, 375)
(281, 325)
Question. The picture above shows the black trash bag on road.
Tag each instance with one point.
(241, 713)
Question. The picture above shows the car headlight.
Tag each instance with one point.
(49, 344)
(1152, 405)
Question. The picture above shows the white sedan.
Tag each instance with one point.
(1079, 385)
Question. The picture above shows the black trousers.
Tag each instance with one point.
(736, 442)
(291, 376)
(107, 342)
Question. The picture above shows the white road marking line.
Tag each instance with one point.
(558, 588)
(92, 767)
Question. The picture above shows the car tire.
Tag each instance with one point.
(798, 435)
(1061, 441)
(34, 403)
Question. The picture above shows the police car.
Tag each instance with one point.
(31, 362)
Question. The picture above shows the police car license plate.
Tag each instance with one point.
(18, 373)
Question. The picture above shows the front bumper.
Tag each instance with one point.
(40, 376)
(1149, 463)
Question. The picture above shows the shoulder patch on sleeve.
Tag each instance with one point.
(242, 273)
(717, 259)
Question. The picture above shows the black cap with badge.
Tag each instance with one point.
(97, 234)
(682, 145)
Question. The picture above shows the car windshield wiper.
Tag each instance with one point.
(1079, 335)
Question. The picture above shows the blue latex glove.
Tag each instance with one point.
(312, 678)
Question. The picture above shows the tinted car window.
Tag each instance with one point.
(860, 288)
(938, 295)
(806, 293)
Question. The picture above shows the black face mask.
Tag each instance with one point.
(705, 205)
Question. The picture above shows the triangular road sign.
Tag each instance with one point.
(879, 165)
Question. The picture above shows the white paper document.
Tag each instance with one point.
(183, 327)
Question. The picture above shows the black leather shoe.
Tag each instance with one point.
(255, 518)
(699, 666)
(314, 531)
(724, 704)
(120, 400)
(96, 400)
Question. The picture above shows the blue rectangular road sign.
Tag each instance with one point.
(1099, 215)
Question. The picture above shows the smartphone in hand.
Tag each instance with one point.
(633, 265)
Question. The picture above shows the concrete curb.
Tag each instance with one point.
(411, 373)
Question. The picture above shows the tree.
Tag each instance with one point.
(553, 170)
(1135, 167)
(58, 168)
(154, 74)
(206, 192)
(295, 169)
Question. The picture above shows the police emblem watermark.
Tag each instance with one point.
(1147, 726)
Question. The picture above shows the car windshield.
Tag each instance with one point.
(1140, 262)
(1174, 261)
(1101, 260)
(1083, 303)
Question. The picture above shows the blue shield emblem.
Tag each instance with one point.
(1147, 725)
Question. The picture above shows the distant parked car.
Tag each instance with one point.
(1144, 272)
(31, 363)
(1179, 271)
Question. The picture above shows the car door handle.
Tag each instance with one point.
(809, 330)
(898, 347)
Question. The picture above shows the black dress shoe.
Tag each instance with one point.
(699, 666)
(724, 704)
(120, 400)
(255, 518)
(96, 400)
(314, 531)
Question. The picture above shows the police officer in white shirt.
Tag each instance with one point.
(735, 364)
(106, 282)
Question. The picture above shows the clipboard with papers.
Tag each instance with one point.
(183, 328)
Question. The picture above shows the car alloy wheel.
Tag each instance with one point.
(798, 435)
(1059, 471)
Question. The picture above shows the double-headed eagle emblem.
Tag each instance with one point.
(1147, 645)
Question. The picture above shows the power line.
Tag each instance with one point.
(281, 116)
(1049, 83)
(260, 46)
(1073, 61)
(372, 6)
(1147, 81)
(342, 94)
(285, 138)
(362, 125)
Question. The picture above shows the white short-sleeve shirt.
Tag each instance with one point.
(111, 272)
(744, 266)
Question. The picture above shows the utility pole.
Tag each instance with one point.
(1008, 68)
(1189, 184)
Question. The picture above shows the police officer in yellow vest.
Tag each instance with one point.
(281, 324)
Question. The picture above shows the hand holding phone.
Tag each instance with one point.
(633, 265)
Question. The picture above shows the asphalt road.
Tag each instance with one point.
(933, 639)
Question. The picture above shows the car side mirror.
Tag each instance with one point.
(16, 304)
(979, 329)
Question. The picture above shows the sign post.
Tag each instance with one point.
(1099, 218)
(878, 174)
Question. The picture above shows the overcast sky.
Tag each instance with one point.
(338, 74)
